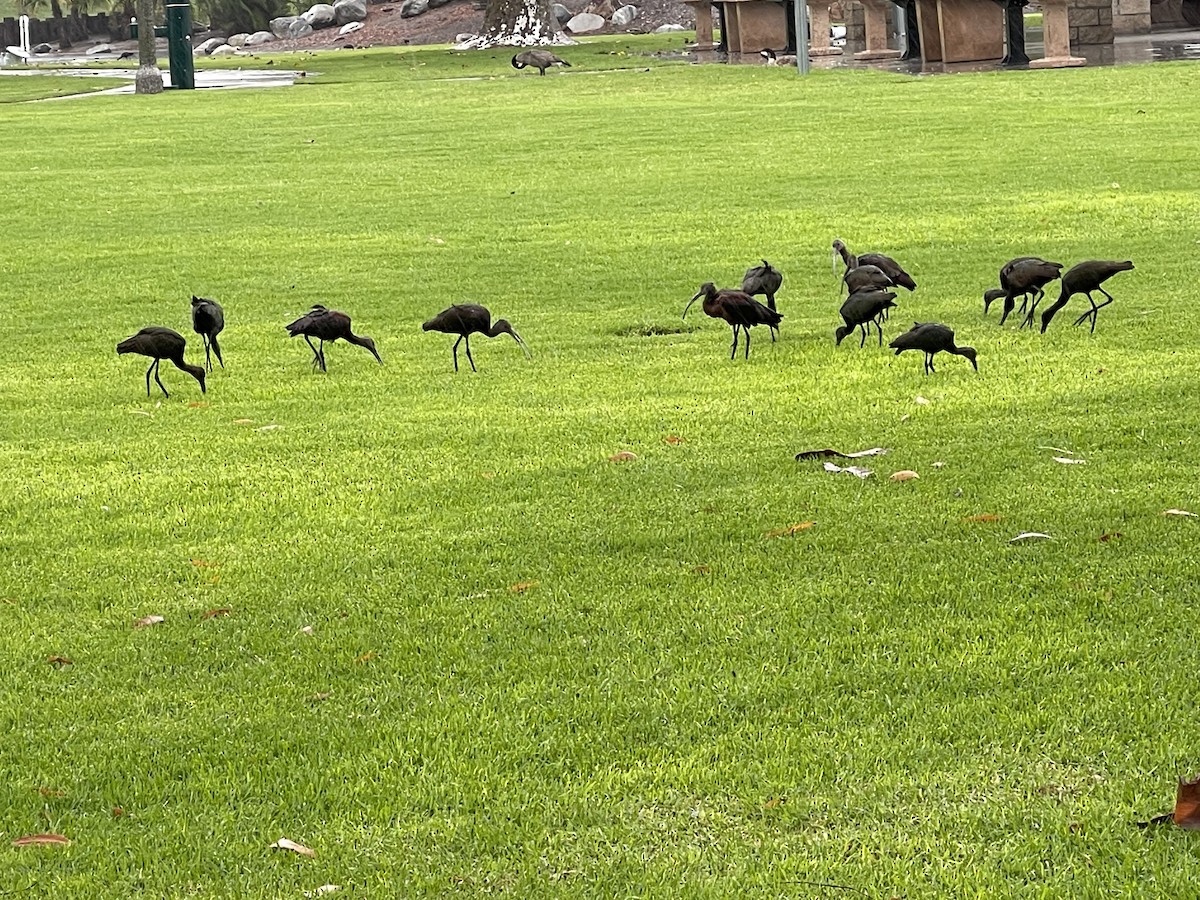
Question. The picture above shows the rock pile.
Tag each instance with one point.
(348, 14)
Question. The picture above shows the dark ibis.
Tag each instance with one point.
(161, 343)
(737, 308)
(931, 338)
(765, 280)
(208, 320)
(885, 263)
(539, 59)
(861, 309)
(466, 319)
(1083, 278)
(863, 277)
(1026, 276)
(328, 325)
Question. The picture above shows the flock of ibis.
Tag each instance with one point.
(869, 278)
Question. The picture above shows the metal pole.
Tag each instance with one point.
(801, 10)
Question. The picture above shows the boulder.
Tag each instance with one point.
(320, 15)
(462, 37)
(288, 28)
(350, 11)
(561, 13)
(666, 29)
(585, 22)
(224, 50)
(259, 37)
(239, 40)
(434, 4)
(624, 15)
(208, 47)
(42, 48)
(100, 48)
(350, 28)
(410, 8)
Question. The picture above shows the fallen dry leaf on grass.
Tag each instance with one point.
(60, 660)
(198, 404)
(522, 586)
(1031, 535)
(243, 421)
(284, 844)
(1187, 804)
(673, 439)
(852, 470)
(938, 465)
(323, 890)
(1066, 461)
(1109, 536)
(789, 530)
(319, 697)
(983, 517)
(367, 657)
(623, 456)
(270, 428)
(307, 629)
(41, 840)
(775, 802)
(204, 564)
(117, 812)
(1180, 512)
(920, 401)
(146, 621)
(216, 613)
(702, 570)
(829, 451)
(904, 475)
(52, 793)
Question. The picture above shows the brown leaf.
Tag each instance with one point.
(204, 564)
(117, 812)
(673, 439)
(1187, 804)
(198, 404)
(522, 586)
(40, 840)
(1109, 536)
(905, 475)
(702, 570)
(790, 530)
(775, 802)
(54, 793)
(214, 613)
(146, 621)
(983, 517)
(367, 657)
(622, 456)
(60, 660)
(284, 844)
(320, 697)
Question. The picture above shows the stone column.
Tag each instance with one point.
(1131, 16)
(704, 32)
(876, 12)
(818, 29)
(1057, 37)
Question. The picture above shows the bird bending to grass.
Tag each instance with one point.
(539, 59)
(467, 319)
(1083, 278)
(161, 343)
(931, 338)
(208, 320)
(328, 325)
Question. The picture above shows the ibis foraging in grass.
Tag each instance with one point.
(886, 264)
(1083, 278)
(328, 325)
(466, 319)
(161, 343)
(208, 320)
(861, 309)
(539, 59)
(931, 338)
(1027, 276)
(737, 308)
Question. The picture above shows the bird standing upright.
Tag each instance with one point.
(931, 338)
(539, 59)
(1083, 278)
(208, 320)
(466, 319)
(765, 280)
(861, 309)
(737, 308)
(161, 343)
(328, 325)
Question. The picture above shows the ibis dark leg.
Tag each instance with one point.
(316, 356)
(864, 328)
(207, 360)
(321, 353)
(159, 380)
(746, 332)
(216, 348)
(733, 349)
(456, 343)
(467, 338)
(148, 371)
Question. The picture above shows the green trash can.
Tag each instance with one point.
(159, 30)
(179, 45)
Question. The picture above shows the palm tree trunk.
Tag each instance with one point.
(60, 24)
(518, 23)
(148, 79)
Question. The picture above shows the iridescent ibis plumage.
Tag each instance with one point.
(861, 309)
(931, 338)
(466, 319)
(885, 263)
(1083, 278)
(161, 343)
(737, 308)
(208, 320)
(328, 325)
(539, 59)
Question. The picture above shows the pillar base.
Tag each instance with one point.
(824, 51)
(877, 54)
(1057, 62)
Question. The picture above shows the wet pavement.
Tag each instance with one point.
(204, 78)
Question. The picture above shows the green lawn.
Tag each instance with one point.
(533, 671)
(22, 88)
